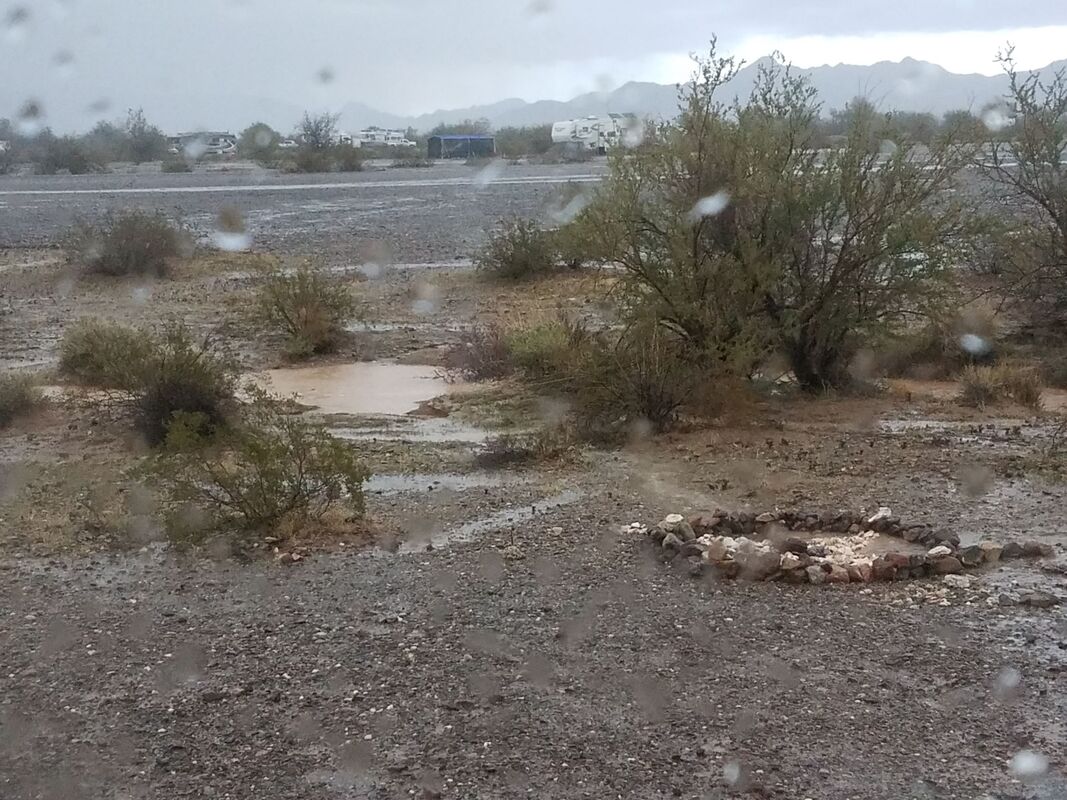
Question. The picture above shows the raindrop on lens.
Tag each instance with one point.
(1027, 765)
(490, 173)
(29, 119)
(231, 234)
(974, 344)
(709, 206)
(15, 22)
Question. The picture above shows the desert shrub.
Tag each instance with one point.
(705, 218)
(158, 374)
(514, 449)
(550, 351)
(517, 249)
(105, 355)
(176, 164)
(347, 158)
(481, 354)
(19, 396)
(129, 243)
(182, 376)
(411, 160)
(982, 386)
(643, 378)
(267, 468)
(65, 154)
(308, 305)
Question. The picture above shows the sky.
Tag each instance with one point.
(86, 58)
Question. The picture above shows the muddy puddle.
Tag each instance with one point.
(362, 388)
(413, 429)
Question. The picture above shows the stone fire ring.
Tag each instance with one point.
(760, 547)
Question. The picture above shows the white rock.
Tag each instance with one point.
(671, 522)
(939, 551)
(958, 581)
(883, 513)
(790, 561)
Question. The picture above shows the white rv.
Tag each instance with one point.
(598, 134)
(381, 136)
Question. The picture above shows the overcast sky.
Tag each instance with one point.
(410, 56)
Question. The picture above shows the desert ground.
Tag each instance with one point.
(495, 632)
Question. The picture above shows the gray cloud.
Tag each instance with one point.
(224, 61)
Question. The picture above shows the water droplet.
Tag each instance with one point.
(231, 241)
(193, 150)
(15, 22)
(1027, 765)
(633, 134)
(100, 106)
(490, 173)
(975, 345)
(262, 138)
(731, 773)
(1008, 680)
(64, 63)
(709, 206)
(141, 294)
(325, 75)
(30, 119)
(561, 215)
(996, 118)
(537, 7)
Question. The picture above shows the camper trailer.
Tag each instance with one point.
(598, 134)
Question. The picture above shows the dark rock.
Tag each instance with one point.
(1012, 550)
(883, 570)
(898, 560)
(817, 550)
(1005, 600)
(656, 533)
(757, 565)
(1035, 549)
(696, 566)
(794, 545)
(946, 538)
(1040, 600)
(947, 565)
(672, 542)
(690, 549)
(972, 556)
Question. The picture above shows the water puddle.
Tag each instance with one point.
(362, 388)
(430, 429)
(401, 484)
(498, 520)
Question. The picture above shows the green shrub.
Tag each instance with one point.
(182, 376)
(347, 158)
(308, 305)
(517, 249)
(104, 355)
(176, 164)
(19, 396)
(548, 352)
(129, 243)
(514, 449)
(266, 469)
(160, 375)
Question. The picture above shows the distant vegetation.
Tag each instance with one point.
(126, 243)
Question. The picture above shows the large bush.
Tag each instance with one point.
(19, 396)
(128, 243)
(517, 249)
(738, 236)
(265, 469)
(308, 305)
(158, 374)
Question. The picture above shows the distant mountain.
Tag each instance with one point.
(907, 85)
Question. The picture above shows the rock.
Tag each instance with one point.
(757, 565)
(790, 561)
(671, 522)
(860, 572)
(693, 548)
(940, 551)
(513, 553)
(898, 560)
(794, 545)
(945, 537)
(816, 574)
(685, 532)
(957, 581)
(696, 566)
(913, 533)
(818, 551)
(766, 517)
(795, 576)
(1035, 549)
(883, 513)
(672, 542)
(883, 570)
(1039, 600)
(947, 565)
(1005, 600)
(972, 556)
(991, 552)
(1011, 550)
(837, 574)
(717, 549)
(657, 533)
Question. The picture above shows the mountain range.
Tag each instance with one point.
(907, 85)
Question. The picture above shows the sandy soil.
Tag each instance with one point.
(537, 649)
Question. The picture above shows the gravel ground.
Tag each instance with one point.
(415, 215)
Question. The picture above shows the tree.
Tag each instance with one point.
(513, 142)
(741, 238)
(318, 132)
(258, 142)
(144, 142)
(1030, 165)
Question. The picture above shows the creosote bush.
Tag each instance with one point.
(159, 374)
(308, 305)
(128, 243)
(481, 354)
(982, 386)
(517, 249)
(19, 396)
(269, 468)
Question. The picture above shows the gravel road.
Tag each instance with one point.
(418, 215)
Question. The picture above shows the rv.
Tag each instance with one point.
(370, 137)
(203, 143)
(598, 134)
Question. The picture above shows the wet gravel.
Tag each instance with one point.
(411, 215)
